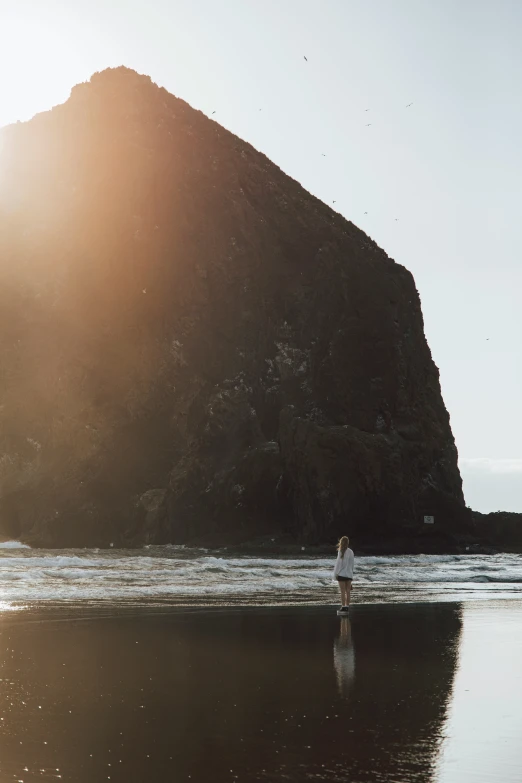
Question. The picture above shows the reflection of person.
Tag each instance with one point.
(343, 571)
(344, 657)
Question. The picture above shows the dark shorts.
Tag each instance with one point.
(343, 578)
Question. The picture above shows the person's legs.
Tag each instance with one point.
(342, 588)
(348, 592)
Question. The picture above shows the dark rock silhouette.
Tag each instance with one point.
(499, 529)
(195, 348)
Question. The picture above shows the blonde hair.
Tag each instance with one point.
(342, 546)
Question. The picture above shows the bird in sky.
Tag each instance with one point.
(396, 220)
(368, 124)
(409, 104)
(306, 58)
(322, 153)
(365, 213)
(334, 202)
(366, 110)
(213, 112)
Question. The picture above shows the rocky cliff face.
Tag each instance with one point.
(193, 347)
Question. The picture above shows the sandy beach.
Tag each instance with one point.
(417, 692)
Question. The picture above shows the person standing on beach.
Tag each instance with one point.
(343, 571)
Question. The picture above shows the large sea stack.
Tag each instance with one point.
(193, 348)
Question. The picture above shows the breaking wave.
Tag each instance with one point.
(180, 575)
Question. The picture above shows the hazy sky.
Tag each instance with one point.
(449, 167)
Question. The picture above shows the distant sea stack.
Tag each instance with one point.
(195, 349)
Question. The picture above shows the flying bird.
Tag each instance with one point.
(366, 110)
(396, 220)
(306, 58)
(322, 153)
(409, 104)
(368, 124)
(365, 213)
(334, 202)
(213, 112)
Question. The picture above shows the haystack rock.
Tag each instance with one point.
(193, 348)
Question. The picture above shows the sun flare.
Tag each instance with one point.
(43, 61)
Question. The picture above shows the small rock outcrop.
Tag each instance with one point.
(499, 529)
(193, 347)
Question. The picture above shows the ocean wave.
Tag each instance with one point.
(173, 573)
(50, 561)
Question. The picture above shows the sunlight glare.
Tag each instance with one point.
(43, 63)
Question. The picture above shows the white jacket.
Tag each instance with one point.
(344, 564)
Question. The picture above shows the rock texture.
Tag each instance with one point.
(193, 347)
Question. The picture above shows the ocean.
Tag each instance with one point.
(179, 576)
(175, 664)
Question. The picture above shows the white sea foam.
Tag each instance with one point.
(13, 545)
(178, 575)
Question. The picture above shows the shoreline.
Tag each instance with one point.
(42, 614)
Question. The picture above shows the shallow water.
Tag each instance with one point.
(398, 694)
(179, 576)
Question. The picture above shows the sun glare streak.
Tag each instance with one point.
(43, 61)
(44, 58)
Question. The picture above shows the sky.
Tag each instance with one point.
(441, 180)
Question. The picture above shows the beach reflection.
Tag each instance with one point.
(248, 695)
(344, 657)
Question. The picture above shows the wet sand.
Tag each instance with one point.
(425, 692)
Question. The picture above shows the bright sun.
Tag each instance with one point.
(40, 61)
